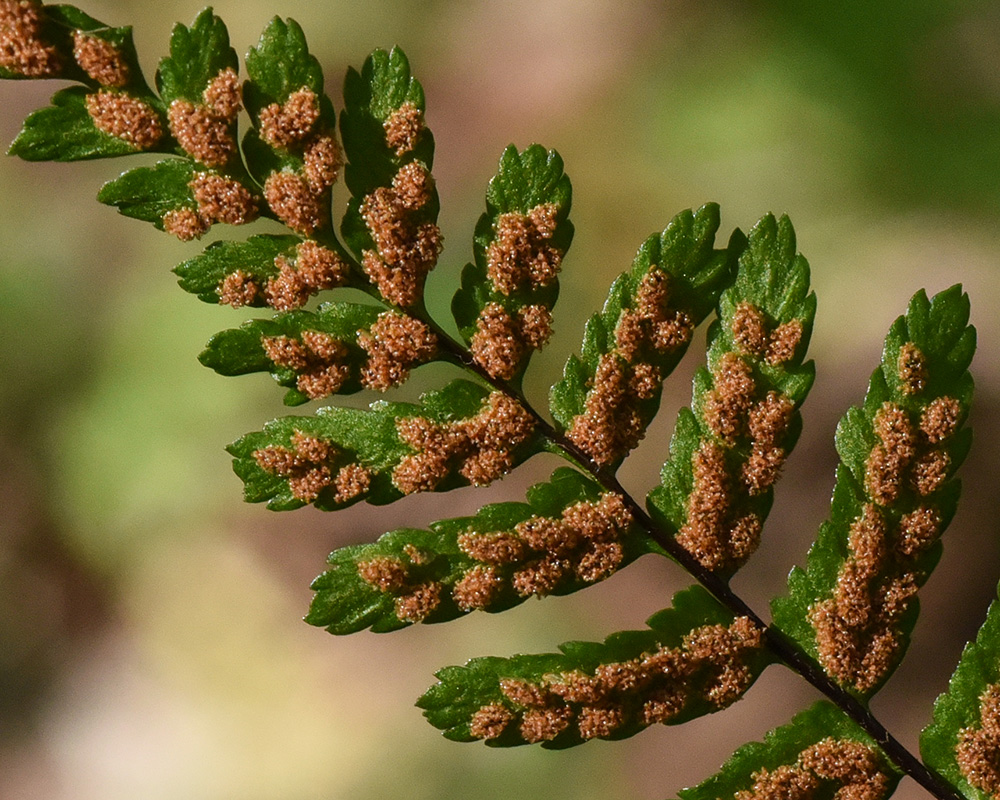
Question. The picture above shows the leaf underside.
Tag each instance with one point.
(695, 273)
(886, 497)
(744, 418)
(477, 562)
(895, 492)
(611, 690)
(509, 290)
(782, 748)
(949, 744)
(370, 439)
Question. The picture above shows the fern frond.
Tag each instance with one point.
(391, 220)
(845, 622)
(339, 349)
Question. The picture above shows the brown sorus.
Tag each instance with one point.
(395, 343)
(293, 201)
(477, 588)
(403, 127)
(187, 224)
(490, 721)
(912, 368)
(417, 605)
(222, 199)
(385, 573)
(21, 49)
(978, 749)
(125, 117)
(222, 95)
(202, 133)
(100, 59)
(289, 124)
(237, 289)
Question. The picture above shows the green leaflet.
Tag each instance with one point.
(281, 272)
(340, 349)
(390, 221)
(503, 308)
(479, 562)
(180, 197)
(149, 193)
(726, 452)
(279, 65)
(282, 71)
(255, 257)
(70, 20)
(109, 68)
(65, 132)
(459, 435)
(895, 495)
(669, 673)
(199, 83)
(240, 351)
(674, 282)
(371, 97)
(782, 747)
(55, 31)
(959, 715)
(197, 55)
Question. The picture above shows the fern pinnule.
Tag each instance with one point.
(854, 604)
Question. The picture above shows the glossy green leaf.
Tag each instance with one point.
(442, 562)
(280, 66)
(197, 55)
(72, 19)
(744, 417)
(370, 98)
(667, 673)
(282, 272)
(909, 548)
(55, 31)
(149, 193)
(505, 277)
(382, 90)
(65, 131)
(371, 440)
(959, 714)
(782, 748)
(683, 257)
(312, 367)
(203, 274)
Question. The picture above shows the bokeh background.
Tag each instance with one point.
(150, 636)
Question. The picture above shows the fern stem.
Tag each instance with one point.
(787, 651)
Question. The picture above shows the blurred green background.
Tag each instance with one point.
(150, 642)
